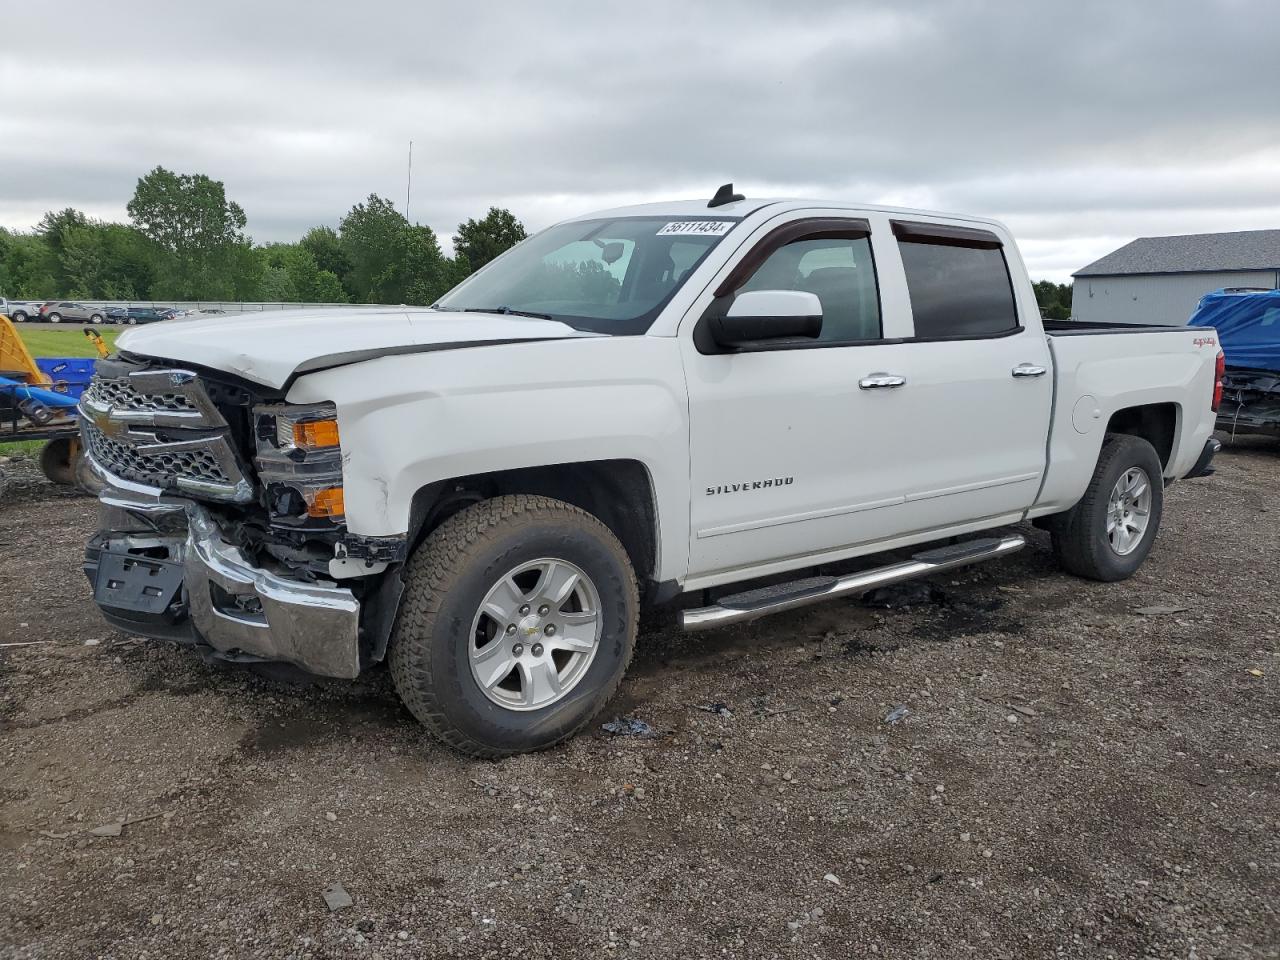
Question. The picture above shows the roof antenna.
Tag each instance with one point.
(725, 195)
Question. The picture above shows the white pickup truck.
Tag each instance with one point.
(647, 402)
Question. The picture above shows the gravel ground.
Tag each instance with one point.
(1071, 778)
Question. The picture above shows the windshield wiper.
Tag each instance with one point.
(509, 312)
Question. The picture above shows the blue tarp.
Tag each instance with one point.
(1248, 326)
(24, 392)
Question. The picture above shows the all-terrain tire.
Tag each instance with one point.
(1080, 538)
(447, 580)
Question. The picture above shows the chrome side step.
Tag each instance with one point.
(761, 602)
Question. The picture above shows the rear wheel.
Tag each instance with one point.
(19, 317)
(1108, 534)
(55, 318)
(518, 623)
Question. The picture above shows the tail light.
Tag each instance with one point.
(1219, 371)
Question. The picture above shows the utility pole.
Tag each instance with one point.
(408, 186)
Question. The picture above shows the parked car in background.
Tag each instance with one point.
(57, 311)
(19, 311)
(116, 314)
(143, 315)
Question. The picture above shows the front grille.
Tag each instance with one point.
(123, 395)
(160, 429)
(161, 469)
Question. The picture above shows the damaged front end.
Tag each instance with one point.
(1250, 402)
(223, 526)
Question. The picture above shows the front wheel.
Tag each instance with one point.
(518, 623)
(1108, 534)
(96, 318)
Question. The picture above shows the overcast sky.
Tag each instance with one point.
(1081, 125)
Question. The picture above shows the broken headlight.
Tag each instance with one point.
(299, 458)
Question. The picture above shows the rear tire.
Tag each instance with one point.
(55, 318)
(19, 317)
(454, 625)
(1108, 534)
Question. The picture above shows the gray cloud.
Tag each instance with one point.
(1083, 125)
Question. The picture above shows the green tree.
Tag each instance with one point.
(392, 261)
(371, 236)
(186, 214)
(325, 246)
(479, 241)
(424, 269)
(28, 266)
(197, 233)
(292, 275)
(1054, 299)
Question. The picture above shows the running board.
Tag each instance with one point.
(761, 602)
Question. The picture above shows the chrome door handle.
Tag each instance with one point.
(881, 381)
(1029, 370)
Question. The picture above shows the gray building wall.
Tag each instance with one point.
(1157, 298)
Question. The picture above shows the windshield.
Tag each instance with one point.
(607, 276)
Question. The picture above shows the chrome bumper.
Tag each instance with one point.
(241, 611)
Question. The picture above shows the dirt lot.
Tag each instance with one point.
(1072, 779)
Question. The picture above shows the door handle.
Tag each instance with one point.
(881, 381)
(1029, 370)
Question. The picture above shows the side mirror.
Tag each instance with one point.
(760, 315)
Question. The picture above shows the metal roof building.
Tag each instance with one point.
(1159, 280)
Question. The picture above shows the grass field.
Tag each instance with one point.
(63, 343)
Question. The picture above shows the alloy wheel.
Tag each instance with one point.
(535, 635)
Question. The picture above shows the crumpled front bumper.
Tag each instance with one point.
(162, 568)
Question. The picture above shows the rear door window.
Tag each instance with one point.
(959, 287)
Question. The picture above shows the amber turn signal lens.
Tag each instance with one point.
(315, 434)
(327, 503)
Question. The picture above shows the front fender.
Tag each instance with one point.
(411, 420)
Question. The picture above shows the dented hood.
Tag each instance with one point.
(271, 347)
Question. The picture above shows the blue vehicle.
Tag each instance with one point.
(1248, 325)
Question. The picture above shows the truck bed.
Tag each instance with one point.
(1074, 328)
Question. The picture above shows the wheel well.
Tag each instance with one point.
(1154, 422)
(618, 492)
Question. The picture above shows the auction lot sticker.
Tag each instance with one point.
(715, 228)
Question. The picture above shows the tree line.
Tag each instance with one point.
(186, 241)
